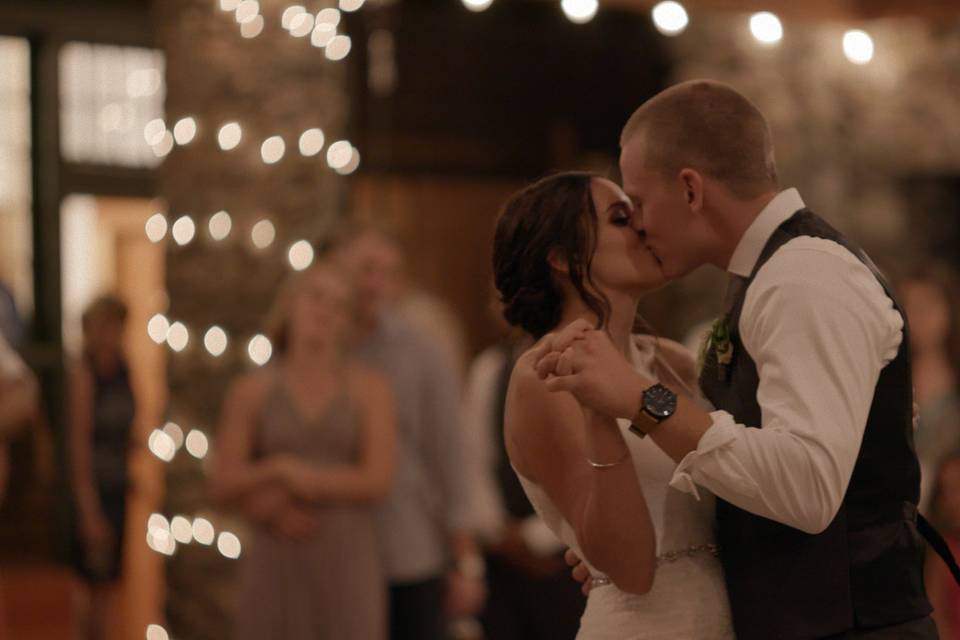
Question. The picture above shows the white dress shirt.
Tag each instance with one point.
(820, 328)
(488, 515)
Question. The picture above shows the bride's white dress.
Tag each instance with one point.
(688, 600)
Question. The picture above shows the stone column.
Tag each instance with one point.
(271, 84)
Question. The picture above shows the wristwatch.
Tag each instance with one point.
(656, 405)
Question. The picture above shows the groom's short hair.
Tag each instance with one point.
(711, 127)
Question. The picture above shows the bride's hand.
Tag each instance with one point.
(587, 364)
(580, 571)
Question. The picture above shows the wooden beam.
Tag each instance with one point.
(104, 180)
(126, 23)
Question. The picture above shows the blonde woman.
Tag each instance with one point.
(305, 447)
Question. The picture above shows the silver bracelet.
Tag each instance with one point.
(608, 465)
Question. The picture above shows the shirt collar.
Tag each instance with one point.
(780, 209)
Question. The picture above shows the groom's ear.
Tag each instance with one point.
(692, 184)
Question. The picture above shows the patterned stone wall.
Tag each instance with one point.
(272, 84)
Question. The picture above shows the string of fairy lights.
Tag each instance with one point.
(671, 19)
(166, 443)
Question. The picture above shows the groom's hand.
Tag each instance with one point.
(584, 361)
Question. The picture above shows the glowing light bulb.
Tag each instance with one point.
(156, 632)
(163, 145)
(858, 46)
(300, 255)
(579, 11)
(766, 28)
(670, 18)
(215, 341)
(339, 154)
(203, 531)
(338, 48)
(183, 230)
(197, 444)
(181, 529)
(301, 25)
(253, 28)
(229, 545)
(173, 430)
(185, 130)
(247, 11)
(220, 225)
(156, 227)
(352, 164)
(157, 521)
(322, 35)
(290, 13)
(263, 234)
(272, 149)
(311, 142)
(477, 5)
(260, 349)
(161, 445)
(153, 131)
(229, 136)
(328, 16)
(178, 337)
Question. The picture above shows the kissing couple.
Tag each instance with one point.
(769, 493)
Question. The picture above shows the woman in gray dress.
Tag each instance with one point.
(305, 448)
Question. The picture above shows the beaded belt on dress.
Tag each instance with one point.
(601, 580)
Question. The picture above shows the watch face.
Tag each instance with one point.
(659, 402)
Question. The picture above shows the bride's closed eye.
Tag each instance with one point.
(619, 215)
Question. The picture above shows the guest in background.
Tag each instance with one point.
(433, 566)
(11, 325)
(530, 593)
(945, 514)
(431, 316)
(19, 406)
(19, 403)
(305, 447)
(932, 305)
(101, 417)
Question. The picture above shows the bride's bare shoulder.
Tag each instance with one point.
(525, 384)
(536, 419)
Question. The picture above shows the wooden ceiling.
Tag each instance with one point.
(815, 9)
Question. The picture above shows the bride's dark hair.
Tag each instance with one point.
(556, 212)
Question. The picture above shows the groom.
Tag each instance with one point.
(810, 452)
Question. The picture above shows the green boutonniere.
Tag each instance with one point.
(718, 339)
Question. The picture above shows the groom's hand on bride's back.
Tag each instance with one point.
(580, 572)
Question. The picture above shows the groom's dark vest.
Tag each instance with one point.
(866, 569)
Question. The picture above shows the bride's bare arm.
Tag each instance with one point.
(550, 440)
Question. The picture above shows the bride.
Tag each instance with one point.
(568, 248)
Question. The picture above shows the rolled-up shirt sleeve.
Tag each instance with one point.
(820, 328)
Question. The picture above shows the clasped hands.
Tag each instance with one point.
(584, 361)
